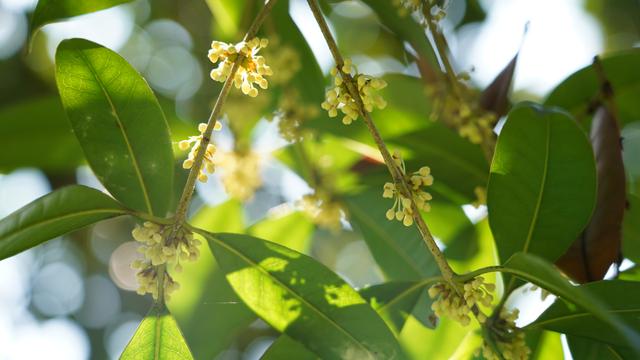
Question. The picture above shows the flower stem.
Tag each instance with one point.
(187, 192)
(396, 174)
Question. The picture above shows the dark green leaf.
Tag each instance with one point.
(119, 124)
(398, 250)
(542, 273)
(577, 93)
(23, 147)
(495, 98)
(49, 11)
(302, 298)
(568, 319)
(593, 252)
(588, 349)
(52, 215)
(542, 184)
(158, 337)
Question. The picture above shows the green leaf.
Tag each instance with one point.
(568, 319)
(588, 349)
(577, 92)
(397, 300)
(158, 337)
(286, 348)
(52, 215)
(303, 299)
(542, 273)
(542, 185)
(208, 311)
(291, 230)
(457, 165)
(23, 147)
(49, 11)
(398, 250)
(119, 124)
(631, 230)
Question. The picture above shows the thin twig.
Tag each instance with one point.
(187, 192)
(396, 174)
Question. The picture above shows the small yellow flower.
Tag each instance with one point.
(241, 173)
(401, 209)
(292, 113)
(338, 97)
(157, 249)
(252, 68)
(457, 303)
(507, 337)
(323, 209)
(207, 164)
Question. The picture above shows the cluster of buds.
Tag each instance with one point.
(457, 303)
(291, 115)
(481, 196)
(241, 176)
(323, 209)
(339, 98)
(194, 142)
(401, 209)
(419, 6)
(161, 245)
(285, 61)
(508, 339)
(252, 67)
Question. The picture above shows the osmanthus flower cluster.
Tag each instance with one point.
(252, 68)
(508, 339)
(457, 303)
(339, 98)
(418, 6)
(292, 114)
(323, 209)
(159, 246)
(241, 173)
(194, 142)
(401, 209)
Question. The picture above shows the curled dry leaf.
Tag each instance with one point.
(495, 98)
(591, 255)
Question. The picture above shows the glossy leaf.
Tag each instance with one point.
(303, 299)
(567, 319)
(542, 185)
(396, 301)
(593, 252)
(398, 250)
(158, 337)
(119, 124)
(588, 349)
(631, 230)
(577, 93)
(22, 147)
(542, 273)
(52, 215)
(49, 11)
(208, 311)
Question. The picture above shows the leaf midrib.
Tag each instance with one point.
(298, 296)
(58, 218)
(579, 315)
(132, 155)
(406, 292)
(543, 182)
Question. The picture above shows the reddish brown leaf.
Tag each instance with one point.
(495, 98)
(599, 245)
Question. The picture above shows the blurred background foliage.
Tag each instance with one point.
(73, 297)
